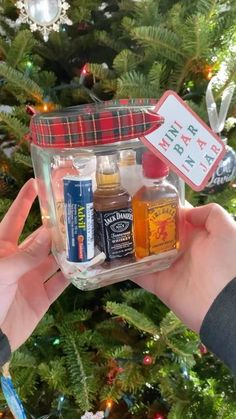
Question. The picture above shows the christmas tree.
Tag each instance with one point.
(118, 349)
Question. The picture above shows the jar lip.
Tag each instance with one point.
(93, 108)
(95, 124)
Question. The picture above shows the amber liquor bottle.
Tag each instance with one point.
(112, 211)
(155, 210)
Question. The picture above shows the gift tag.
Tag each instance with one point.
(185, 142)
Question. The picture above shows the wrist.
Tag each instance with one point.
(218, 329)
(5, 349)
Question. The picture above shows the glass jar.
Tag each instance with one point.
(88, 164)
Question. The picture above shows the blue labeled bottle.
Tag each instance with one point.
(79, 218)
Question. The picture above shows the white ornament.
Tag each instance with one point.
(44, 16)
(90, 415)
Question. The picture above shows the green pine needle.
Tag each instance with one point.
(133, 317)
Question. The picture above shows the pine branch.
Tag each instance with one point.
(45, 325)
(22, 159)
(161, 40)
(13, 125)
(21, 358)
(84, 385)
(23, 83)
(104, 38)
(55, 374)
(171, 325)
(133, 317)
(124, 351)
(3, 48)
(111, 392)
(20, 48)
(196, 38)
(135, 84)
(135, 295)
(179, 410)
(99, 71)
(132, 378)
(125, 61)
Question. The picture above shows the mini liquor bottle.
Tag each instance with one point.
(113, 212)
(155, 210)
(62, 166)
(71, 165)
(130, 171)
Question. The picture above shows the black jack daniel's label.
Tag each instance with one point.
(113, 232)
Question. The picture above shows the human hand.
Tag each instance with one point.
(29, 281)
(207, 264)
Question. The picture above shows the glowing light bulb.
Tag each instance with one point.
(84, 70)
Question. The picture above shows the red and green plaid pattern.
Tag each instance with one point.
(95, 124)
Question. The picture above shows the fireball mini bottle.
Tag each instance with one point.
(155, 210)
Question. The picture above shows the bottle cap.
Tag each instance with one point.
(107, 174)
(127, 157)
(153, 167)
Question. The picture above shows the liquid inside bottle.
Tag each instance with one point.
(113, 212)
(155, 210)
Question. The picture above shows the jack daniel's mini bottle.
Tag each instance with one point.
(113, 212)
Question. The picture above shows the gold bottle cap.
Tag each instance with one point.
(127, 157)
(107, 174)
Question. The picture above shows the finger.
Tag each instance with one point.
(55, 286)
(27, 259)
(30, 238)
(48, 268)
(12, 224)
(159, 284)
(212, 217)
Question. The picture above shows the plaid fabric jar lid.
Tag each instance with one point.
(95, 124)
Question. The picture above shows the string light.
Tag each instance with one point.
(108, 408)
(209, 73)
(85, 70)
(29, 64)
(46, 106)
(147, 360)
(158, 416)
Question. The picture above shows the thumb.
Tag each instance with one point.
(212, 217)
(26, 258)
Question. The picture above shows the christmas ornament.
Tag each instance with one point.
(30, 110)
(11, 396)
(90, 415)
(43, 15)
(226, 170)
(114, 370)
(147, 360)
